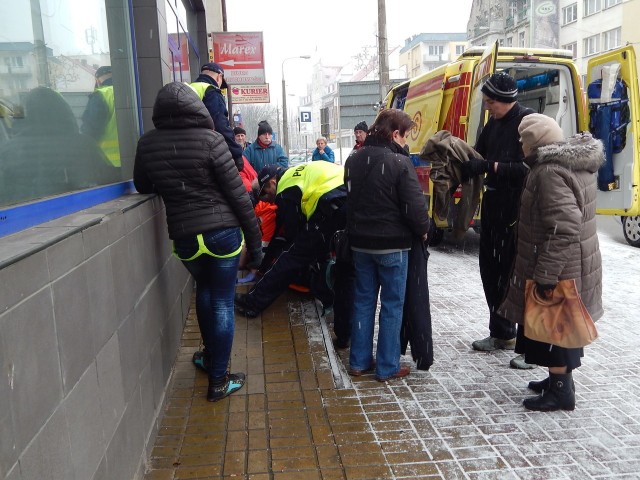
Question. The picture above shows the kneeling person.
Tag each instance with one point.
(310, 201)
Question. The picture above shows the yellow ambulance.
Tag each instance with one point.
(449, 98)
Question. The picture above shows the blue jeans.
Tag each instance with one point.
(387, 274)
(215, 288)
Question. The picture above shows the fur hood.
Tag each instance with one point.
(579, 152)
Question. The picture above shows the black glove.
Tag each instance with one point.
(255, 259)
(544, 290)
(475, 166)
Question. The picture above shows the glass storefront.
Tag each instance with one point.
(68, 103)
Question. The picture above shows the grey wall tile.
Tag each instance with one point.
(104, 318)
(115, 226)
(8, 450)
(111, 391)
(95, 238)
(14, 474)
(85, 433)
(101, 472)
(147, 396)
(157, 372)
(126, 447)
(121, 266)
(23, 279)
(129, 355)
(49, 455)
(74, 330)
(30, 351)
(64, 256)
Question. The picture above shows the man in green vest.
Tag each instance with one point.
(99, 118)
(311, 207)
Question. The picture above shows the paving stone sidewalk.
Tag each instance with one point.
(300, 416)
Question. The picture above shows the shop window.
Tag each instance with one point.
(59, 86)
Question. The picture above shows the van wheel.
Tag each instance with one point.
(435, 235)
(631, 230)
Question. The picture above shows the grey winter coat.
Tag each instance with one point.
(557, 237)
(190, 166)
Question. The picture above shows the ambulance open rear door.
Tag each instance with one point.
(478, 115)
(619, 181)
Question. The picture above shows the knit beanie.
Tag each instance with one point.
(361, 126)
(239, 130)
(501, 88)
(537, 130)
(264, 127)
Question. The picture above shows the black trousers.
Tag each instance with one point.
(310, 246)
(499, 214)
(344, 288)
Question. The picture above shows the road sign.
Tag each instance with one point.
(250, 93)
(304, 117)
(241, 54)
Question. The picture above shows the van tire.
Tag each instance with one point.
(631, 230)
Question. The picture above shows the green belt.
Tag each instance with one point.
(202, 249)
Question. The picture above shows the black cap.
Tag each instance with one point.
(361, 126)
(104, 70)
(239, 130)
(214, 67)
(501, 87)
(267, 173)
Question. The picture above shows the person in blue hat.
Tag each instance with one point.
(208, 86)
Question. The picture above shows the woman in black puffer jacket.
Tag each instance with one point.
(208, 209)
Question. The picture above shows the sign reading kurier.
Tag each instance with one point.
(250, 93)
(241, 54)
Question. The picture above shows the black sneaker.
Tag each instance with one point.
(243, 307)
(198, 360)
(232, 383)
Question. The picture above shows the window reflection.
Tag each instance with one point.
(58, 130)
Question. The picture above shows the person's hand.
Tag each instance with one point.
(544, 290)
(474, 167)
(255, 259)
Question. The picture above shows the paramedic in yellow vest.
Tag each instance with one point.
(208, 86)
(99, 118)
(311, 202)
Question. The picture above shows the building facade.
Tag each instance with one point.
(426, 51)
(92, 304)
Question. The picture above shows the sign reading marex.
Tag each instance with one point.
(250, 93)
(241, 54)
(304, 117)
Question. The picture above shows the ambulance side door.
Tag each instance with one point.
(622, 195)
(477, 113)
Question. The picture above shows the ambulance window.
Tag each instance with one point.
(399, 98)
(547, 89)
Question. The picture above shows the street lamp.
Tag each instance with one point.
(285, 121)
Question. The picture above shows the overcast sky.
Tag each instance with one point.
(335, 29)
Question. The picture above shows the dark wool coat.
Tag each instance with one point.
(557, 237)
(190, 166)
(385, 203)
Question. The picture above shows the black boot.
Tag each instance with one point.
(560, 395)
(543, 385)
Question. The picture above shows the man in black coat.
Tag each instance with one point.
(499, 144)
(211, 80)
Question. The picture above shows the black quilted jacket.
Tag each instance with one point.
(190, 166)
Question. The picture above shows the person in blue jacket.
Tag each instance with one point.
(264, 151)
(322, 151)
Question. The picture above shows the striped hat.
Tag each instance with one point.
(501, 88)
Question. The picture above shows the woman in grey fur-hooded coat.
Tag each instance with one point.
(557, 237)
